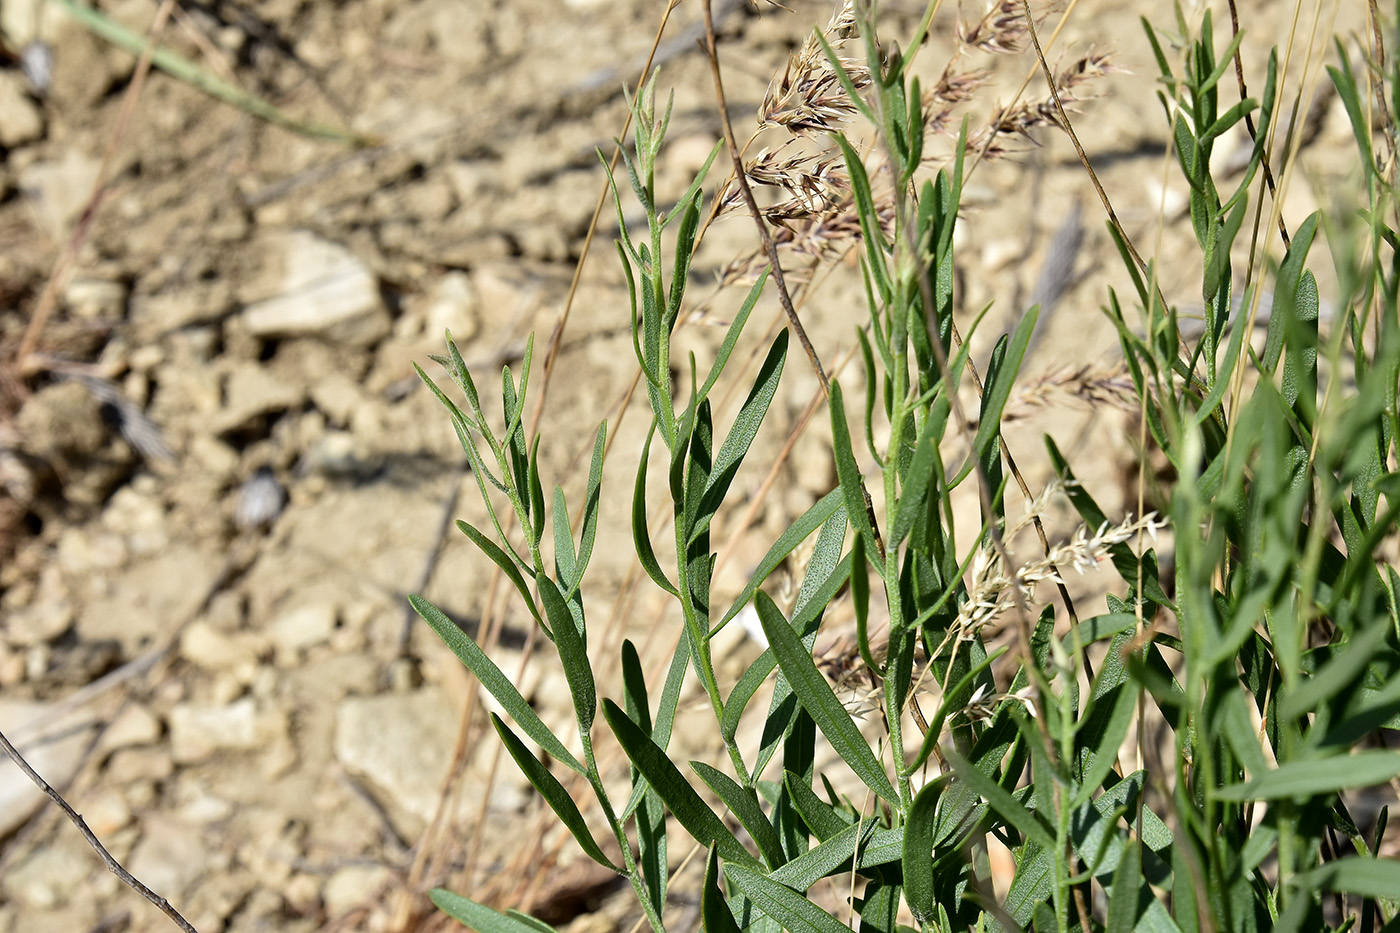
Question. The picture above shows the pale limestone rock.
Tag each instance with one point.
(322, 290)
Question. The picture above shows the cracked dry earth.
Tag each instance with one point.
(205, 644)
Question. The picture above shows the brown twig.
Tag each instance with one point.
(1249, 120)
(769, 248)
(77, 820)
(741, 178)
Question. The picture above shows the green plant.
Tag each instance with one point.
(1266, 656)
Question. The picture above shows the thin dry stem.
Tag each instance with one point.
(1074, 84)
(1091, 383)
(48, 299)
(127, 878)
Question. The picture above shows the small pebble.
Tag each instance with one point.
(260, 500)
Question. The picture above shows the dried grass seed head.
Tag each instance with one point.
(808, 99)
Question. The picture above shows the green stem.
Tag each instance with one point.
(629, 861)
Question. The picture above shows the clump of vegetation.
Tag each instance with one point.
(1257, 671)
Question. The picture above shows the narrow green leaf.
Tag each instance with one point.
(797, 532)
(821, 817)
(665, 715)
(827, 858)
(571, 639)
(536, 489)
(1033, 885)
(846, 84)
(731, 337)
(650, 812)
(682, 800)
(819, 700)
(741, 434)
(714, 911)
(1100, 627)
(553, 793)
(755, 676)
(685, 247)
(919, 830)
(480, 917)
(846, 469)
(591, 502)
(508, 564)
(745, 807)
(565, 565)
(1287, 283)
(1001, 800)
(1354, 874)
(998, 390)
(641, 534)
(782, 711)
(1103, 742)
(1126, 896)
(1320, 776)
(1347, 664)
(494, 681)
(871, 231)
(783, 904)
(1345, 82)
(886, 847)
(917, 480)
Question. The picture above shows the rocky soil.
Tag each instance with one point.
(220, 476)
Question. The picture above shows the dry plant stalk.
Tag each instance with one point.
(1076, 83)
(991, 595)
(815, 215)
(991, 591)
(1091, 383)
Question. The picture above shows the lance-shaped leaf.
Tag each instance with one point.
(744, 805)
(794, 911)
(846, 469)
(496, 683)
(821, 817)
(997, 391)
(1320, 776)
(553, 793)
(736, 326)
(591, 501)
(661, 773)
(797, 532)
(570, 638)
(741, 434)
(826, 859)
(507, 563)
(919, 831)
(715, 916)
(1001, 800)
(818, 699)
(651, 813)
(1368, 877)
(482, 918)
(641, 534)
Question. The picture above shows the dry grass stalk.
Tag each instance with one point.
(1001, 30)
(1092, 384)
(1076, 83)
(991, 591)
(808, 99)
(816, 219)
(813, 182)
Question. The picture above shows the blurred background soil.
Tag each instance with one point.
(220, 476)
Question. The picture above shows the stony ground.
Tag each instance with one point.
(220, 476)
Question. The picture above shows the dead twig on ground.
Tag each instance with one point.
(77, 820)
